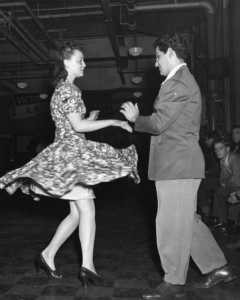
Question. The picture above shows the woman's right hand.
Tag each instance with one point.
(123, 124)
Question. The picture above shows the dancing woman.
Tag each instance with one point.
(69, 167)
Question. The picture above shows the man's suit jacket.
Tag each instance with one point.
(237, 149)
(175, 123)
(230, 173)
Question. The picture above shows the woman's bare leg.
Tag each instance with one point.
(87, 229)
(64, 230)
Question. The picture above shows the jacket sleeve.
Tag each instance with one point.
(214, 169)
(171, 101)
(233, 182)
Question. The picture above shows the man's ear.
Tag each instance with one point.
(170, 52)
(228, 149)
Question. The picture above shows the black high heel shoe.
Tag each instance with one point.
(86, 275)
(41, 264)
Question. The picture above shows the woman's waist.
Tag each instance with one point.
(59, 135)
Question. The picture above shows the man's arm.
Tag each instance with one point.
(173, 98)
(233, 182)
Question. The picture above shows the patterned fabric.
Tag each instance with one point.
(71, 158)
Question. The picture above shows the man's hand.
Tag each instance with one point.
(232, 199)
(130, 111)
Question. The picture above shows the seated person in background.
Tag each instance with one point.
(236, 138)
(229, 180)
(234, 199)
(211, 180)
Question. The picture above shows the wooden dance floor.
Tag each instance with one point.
(125, 248)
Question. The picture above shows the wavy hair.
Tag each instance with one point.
(64, 52)
(223, 139)
(174, 41)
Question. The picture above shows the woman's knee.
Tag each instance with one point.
(86, 207)
(74, 213)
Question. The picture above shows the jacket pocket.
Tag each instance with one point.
(168, 142)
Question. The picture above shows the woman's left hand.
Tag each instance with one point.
(93, 115)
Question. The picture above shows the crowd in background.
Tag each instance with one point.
(219, 192)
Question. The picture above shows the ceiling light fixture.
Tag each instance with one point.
(136, 79)
(135, 50)
(137, 94)
(21, 84)
(43, 96)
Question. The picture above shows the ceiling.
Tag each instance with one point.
(36, 28)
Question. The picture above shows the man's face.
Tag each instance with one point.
(162, 62)
(208, 142)
(221, 150)
(236, 135)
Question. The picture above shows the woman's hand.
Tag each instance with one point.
(93, 115)
(123, 124)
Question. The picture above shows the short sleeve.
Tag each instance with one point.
(71, 100)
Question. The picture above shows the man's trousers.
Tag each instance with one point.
(181, 233)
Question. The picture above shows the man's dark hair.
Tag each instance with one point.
(213, 135)
(224, 139)
(64, 52)
(236, 127)
(174, 41)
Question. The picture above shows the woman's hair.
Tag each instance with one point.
(174, 41)
(64, 52)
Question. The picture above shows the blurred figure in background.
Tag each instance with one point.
(236, 138)
(211, 180)
(229, 181)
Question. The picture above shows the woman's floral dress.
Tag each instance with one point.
(71, 159)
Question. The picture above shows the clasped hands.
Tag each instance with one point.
(130, 111)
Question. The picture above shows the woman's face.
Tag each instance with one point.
(75, 65)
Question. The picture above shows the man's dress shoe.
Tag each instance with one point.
(218, 225)
(166, 290)
(224, 274)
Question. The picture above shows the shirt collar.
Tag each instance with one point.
(174, 71)
(226, 160)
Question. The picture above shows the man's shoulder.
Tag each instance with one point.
(182, 72)
(234, 157)
(184, 79)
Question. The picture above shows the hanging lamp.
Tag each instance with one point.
(21, 84)
(43, 95)
(135, 50)
(137, 94)
(136, 78)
